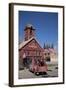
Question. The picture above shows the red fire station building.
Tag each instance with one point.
(30, 49)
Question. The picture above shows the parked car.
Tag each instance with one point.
(39, 67)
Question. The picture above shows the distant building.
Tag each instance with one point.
(50, 54)
(30, 49)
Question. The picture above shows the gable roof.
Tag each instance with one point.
(50, 50)
(26, 42)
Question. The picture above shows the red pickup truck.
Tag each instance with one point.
(38, 67)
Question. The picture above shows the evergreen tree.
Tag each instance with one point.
(52, 46)
(44, 46)
(47, 46)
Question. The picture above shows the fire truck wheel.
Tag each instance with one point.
(37, 73)
(45, 73)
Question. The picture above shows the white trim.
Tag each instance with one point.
(60, 49)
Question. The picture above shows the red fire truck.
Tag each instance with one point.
(38, 67)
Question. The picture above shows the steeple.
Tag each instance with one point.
(29, 32)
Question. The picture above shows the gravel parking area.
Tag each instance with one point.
(52, 72)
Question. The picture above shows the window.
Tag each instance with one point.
(48, 53)
(28, 53)
(45, 54)
(38, 53)
(30, 32)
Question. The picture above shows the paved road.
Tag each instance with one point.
(52, 72)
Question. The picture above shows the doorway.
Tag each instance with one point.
(26, 62)
(48, 59)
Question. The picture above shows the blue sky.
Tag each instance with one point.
(45, 23)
